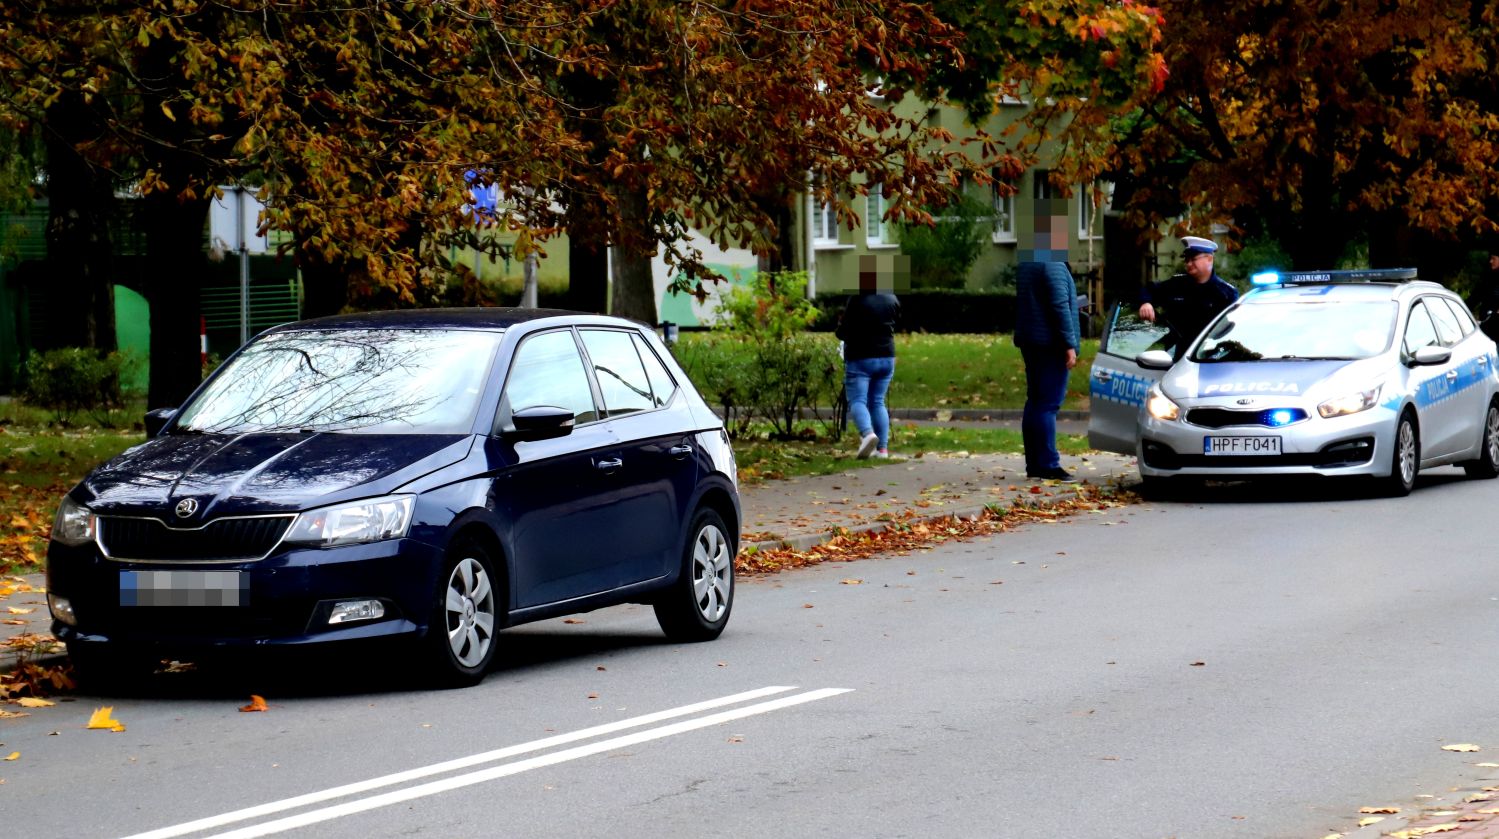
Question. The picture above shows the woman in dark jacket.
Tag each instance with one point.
(868, 333)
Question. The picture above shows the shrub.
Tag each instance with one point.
(784, 369)
(942, 254)
(72, 380)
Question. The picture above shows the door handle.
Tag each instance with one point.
(608, 465)
(680, 451)
(1451, 375)
(1102, 375)
(1482, 360)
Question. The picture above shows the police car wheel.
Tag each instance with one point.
(1405, 460)
(1487, 464)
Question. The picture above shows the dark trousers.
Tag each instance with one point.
(1045, 387)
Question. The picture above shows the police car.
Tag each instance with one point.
(1332, 373)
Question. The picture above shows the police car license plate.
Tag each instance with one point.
(184, 588)
(1222, 445)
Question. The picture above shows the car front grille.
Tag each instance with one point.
(221, 540)
(1346, 453)
(1228, 417)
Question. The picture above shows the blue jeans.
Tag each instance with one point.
(1045, 388)
(865, 380)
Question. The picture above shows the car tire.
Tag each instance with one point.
(696, 607)
(1487, 464)
(1405, 460)
(465, 616)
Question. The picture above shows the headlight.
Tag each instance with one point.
(1350, 403)
(1160, 406)
(75, 523)
(350, 524)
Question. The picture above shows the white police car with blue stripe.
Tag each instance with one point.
(1331, 373)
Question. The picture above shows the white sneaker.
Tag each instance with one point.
(867, 445)
(882, 454)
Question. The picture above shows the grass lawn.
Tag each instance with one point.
(966, 371)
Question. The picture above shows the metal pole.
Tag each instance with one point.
(244, 267)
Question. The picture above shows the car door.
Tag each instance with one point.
(652, 483)
(1117, 384)
(552, 494)
(1468, 371)
(1434, 385)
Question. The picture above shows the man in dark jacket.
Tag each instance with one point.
(867, 330)
(1192, 298)
(1046, 333)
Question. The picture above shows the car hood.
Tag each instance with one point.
(257, 473)
(1284, 379)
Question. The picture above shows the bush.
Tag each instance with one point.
(72, 380)
(784, 369)
(942, 254)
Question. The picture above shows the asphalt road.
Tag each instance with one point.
(1252, 663)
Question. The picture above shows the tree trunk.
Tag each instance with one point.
(79, 250)
(634, 286)
(174, 248)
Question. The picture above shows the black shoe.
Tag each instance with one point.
(1056, 474)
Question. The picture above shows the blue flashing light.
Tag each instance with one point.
(1265, 278)
(1282, 417)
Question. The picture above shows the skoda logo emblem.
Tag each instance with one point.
(1244, 401)
(186, 507)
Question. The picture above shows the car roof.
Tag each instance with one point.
(1340, 292)
(486, 318)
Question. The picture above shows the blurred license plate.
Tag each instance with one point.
(184, 588)
(1240, 445)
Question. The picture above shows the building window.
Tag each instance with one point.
(1089, 213)
(1002, 199)
(824, 223)
(876, 230)
(1041, 184)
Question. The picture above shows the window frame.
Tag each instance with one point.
(876, 228)
(1002, 231)
(633, 339)
(506, 410)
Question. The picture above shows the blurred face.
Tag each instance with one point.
(1494, 262)
(1200, 266)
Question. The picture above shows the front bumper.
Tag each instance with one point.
(1356, 444)
(284, 599)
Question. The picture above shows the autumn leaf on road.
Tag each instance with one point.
(1460, 747)
(1424, 831)
(13, 756)
(101, 719)
(257, 703)
(851, 582)
(34, 702)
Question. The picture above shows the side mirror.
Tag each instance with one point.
(541, 422)
(157, 419)
(1431, 355)
(1155, 360)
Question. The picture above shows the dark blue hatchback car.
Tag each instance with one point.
(432, 475)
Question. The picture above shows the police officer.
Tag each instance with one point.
(1192, 298)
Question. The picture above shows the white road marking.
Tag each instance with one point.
(271, 807)
(459, 781)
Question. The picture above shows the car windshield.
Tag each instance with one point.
(374, 381)
(1299, 331)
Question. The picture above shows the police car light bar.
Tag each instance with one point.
(1375, 275)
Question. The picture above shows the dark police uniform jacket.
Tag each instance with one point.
(1189, 305)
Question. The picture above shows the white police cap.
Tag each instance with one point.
(1194, 245)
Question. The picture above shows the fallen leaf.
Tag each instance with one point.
(1489, 811)
(573, 620)
(1487, 765)
(10, 715)
(257, 703)
(599, 668)
(34, 702)
(1389, 810)
(13, 756)
(1472, 799)
(19, 611)
(1199, 664)
(593, 696)
(1460, 747)
(1368, 820)
(851, 582)
(1424, 831)
(101, 719)
(807, 606)
(736, 739)
(13, 622)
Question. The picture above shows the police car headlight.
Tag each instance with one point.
(1160, 406)
(348, 524)
(1350, 403)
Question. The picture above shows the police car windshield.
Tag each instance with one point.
(1285, 331)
